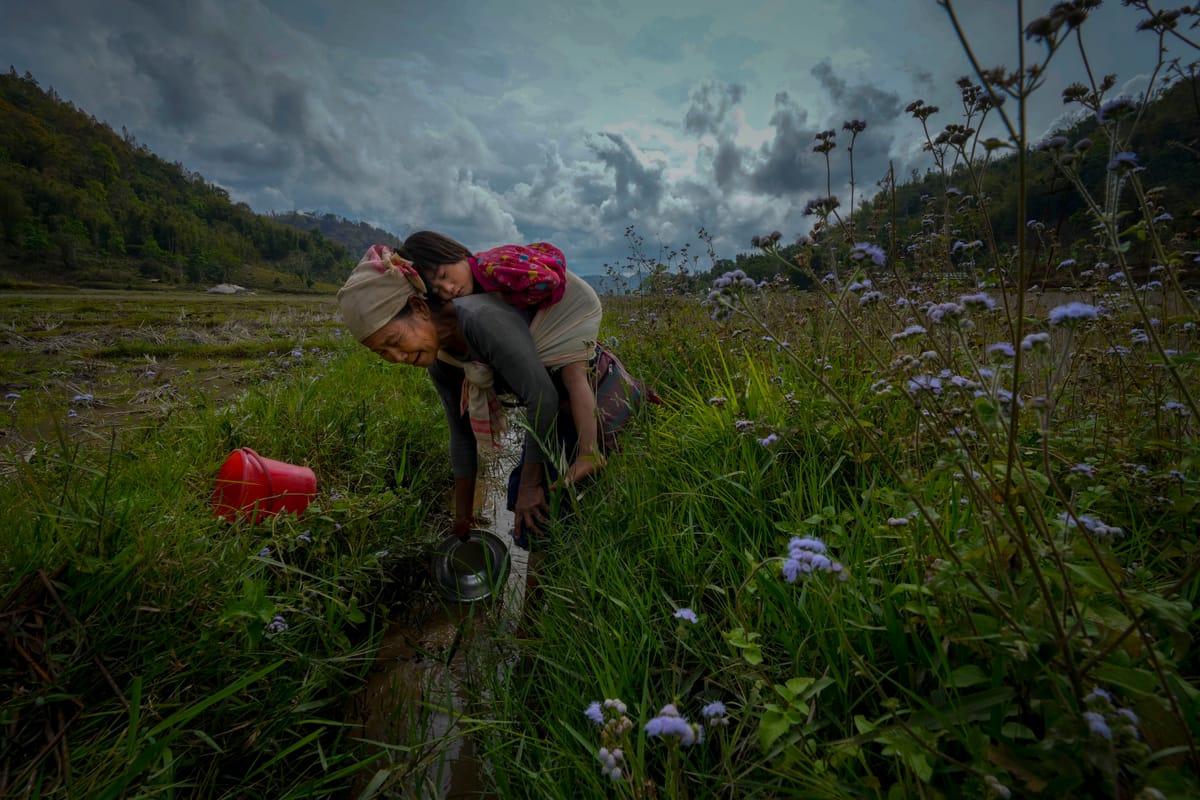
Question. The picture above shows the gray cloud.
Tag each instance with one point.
(638, 186)
(784, 166)
(516, 120)
(863, 101)
(710, 103)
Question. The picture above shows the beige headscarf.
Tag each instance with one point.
(377, 290)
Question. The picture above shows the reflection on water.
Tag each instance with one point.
(415, 709)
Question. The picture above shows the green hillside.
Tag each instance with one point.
(81, 205)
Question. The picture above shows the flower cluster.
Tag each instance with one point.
(670, 724)
(1105, 720)
(1035, 340)
(610, 717)
(725, 289)
(277, 625)
(806, 555)
(911, 330)
(1073, 312)
(715, 713)
(867, 250)
(687, 615)
(1090, 524)
(939, 313)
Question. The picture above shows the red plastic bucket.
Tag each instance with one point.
(251, 487)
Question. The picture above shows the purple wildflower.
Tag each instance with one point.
(594, 712)
(686, 614)
(1114, 109)
(926, 383)
(806, 555)
(768, 440)
(1034, 340)
(670, 723)
(1122, 161)
(977, 301)
(944, 312)
(1001, 349)
(277, 624)
(864, 249)
(1072, 312)
(1090, 524)
(911, 330)
(1097, 726)
(1053, 143)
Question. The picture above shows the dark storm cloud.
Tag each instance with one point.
(784, 166)
(861, 101)
(638, 187)
(176, 78)
(710, 103)
(727, 164)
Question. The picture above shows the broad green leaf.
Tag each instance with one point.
(771, 726)
(968, 675)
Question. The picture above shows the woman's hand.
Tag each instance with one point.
(462, 527)
(531, 510)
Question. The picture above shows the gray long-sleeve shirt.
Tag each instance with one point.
(497, 334)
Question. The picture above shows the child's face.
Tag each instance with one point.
(452, 280)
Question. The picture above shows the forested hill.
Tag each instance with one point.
(356, 236)
(81, 205)
(1167, 143)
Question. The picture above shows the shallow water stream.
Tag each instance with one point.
(414, 709)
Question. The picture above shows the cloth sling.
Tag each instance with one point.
(563, 333)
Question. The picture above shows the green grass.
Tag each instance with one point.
(933, 665)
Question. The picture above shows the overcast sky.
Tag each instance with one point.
(519, 120)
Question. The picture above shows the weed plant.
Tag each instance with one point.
(928, 532)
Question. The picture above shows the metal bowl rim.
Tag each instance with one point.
(447, 579)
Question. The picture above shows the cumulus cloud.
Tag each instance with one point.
(710, 104)
(513, 121)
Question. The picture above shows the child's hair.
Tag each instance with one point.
(428, 250)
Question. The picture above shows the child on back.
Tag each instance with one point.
(528, 277)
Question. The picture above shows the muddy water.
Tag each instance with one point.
(415, 709)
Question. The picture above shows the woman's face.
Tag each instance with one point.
(453, 280)
(411, 339)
